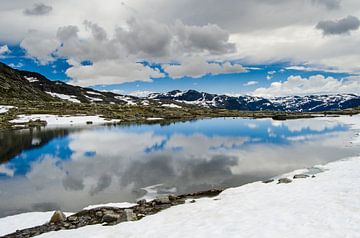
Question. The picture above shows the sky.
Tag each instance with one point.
(256, 47)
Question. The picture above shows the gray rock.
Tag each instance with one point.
(284, 180)
(163, 200)
(110, 218)
(300, 176)
(130, 215)
(99, 214)
(268, 181)
(72, 218)
(57, 217)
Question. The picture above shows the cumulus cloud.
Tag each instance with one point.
(111, 72)
(197, 67)
(251, 83)
(4, 49)
(209, 38)
(38, 9)
(341, 26)
(40, 46)
(316, 84)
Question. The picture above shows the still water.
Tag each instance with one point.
(70, 168)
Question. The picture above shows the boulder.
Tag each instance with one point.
(300, 176)
(284, 180)
(268, 181)
(163, 200)
(110, 218)
(57, 217)
(130, 215)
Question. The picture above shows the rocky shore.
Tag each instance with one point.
(110, 215)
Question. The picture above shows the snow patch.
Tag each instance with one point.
(56, 120)
(5, 109)
(172, 105)
(154, 118)
(31, 79)
(70, 98)
(118, 205)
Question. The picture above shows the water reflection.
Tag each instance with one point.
(72, 168)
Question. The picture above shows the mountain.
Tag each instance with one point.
(313, 103)
(17, 85)
(31, 86)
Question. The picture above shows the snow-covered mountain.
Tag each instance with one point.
(313, 103)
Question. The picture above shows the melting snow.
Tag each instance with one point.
(70, 98)
(31, 79)
(172, 105)
(54, 120)
(4, 109)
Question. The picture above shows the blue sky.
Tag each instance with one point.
(185, 45)
(232, 83)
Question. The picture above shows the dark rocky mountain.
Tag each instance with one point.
(313, 103)
(31, 86)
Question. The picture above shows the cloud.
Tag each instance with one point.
(210, 38)
(337, 27)
(40, 46)
(38, 9)
(316, 84)
(4, 49)
(111, 72)
(329, 4)
(251, 83)
(197, 67)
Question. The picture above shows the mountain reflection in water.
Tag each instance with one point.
(70, 168)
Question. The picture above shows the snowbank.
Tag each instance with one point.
(26, 220)
(4, 109)
(54, 120)
(70, 98)
(118, 205)
(172, 105)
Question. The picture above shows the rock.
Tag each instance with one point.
(163, 200)
(299, 176)
(57, 217)
(268, 181)
(89, 123)
(141, 202)
(72, 218)
(192, 201)
(284, 180)
(99, 214)
(110, 218)
(313, 176)
(130, 215)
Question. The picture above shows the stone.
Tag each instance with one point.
(192, 201)
(300, 176)
(72, 218)
(57, 217)
(284, 180)
(268, 181)
(110, 218)
(130, 215)
(141, 202)
(163, 200)
(99, 214)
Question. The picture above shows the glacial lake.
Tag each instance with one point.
(71, 168)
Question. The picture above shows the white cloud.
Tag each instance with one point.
(4, 49)
(40, 46)
(316, 84)
(110, 72)
(197, 67)
(251, 83)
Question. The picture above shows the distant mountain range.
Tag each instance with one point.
(313, 103)
(18, 85)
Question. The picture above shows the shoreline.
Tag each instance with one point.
(256, 188)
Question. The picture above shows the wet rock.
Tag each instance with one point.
(268, 181)
(300, 176)
(284, 180)
(57, 217)
(110, 218)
